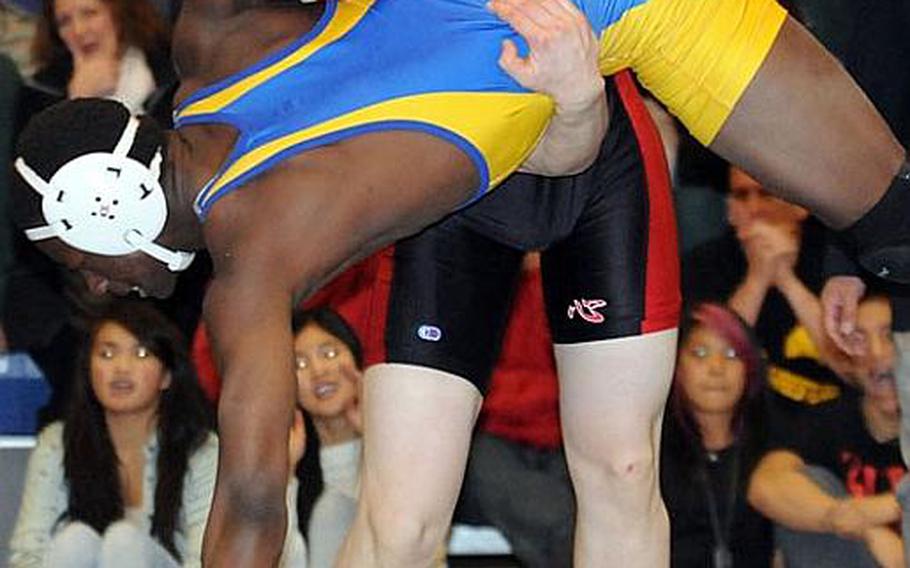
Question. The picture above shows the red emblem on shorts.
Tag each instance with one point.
(587, 310)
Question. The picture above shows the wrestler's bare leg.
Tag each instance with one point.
(804, 125)
(417, 432)
(612, 395)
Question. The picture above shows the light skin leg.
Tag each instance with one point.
(612, 396)
(417, 432)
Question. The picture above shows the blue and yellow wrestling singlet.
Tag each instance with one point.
(431, 66)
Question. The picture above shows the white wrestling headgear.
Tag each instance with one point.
(106, 203)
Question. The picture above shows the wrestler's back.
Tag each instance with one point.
(213, 39)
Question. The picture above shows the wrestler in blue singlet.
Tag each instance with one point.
(371, 65)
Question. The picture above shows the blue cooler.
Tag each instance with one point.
(23, 391)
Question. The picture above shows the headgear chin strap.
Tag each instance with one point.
(106, 203)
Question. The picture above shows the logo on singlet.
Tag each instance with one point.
(429, 333)
(587, 310)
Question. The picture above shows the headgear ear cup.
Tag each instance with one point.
(106, 203)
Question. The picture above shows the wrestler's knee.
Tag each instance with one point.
(628, 472)
(407, 537)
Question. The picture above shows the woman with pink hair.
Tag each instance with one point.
(713, 436)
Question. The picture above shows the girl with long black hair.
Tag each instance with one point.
(128, 475)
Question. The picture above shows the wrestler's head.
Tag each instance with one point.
(89, 193)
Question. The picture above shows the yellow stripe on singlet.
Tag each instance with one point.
(697, 56)
(469, 115)
(348, 14)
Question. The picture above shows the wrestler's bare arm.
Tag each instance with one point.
(562, 62)
(804, 128)
(271, 242)
(247, 314)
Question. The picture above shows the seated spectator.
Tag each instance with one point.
(130, 471)
(830, 484)
(114, 49)
(712, 438)
(329, 362)
(517, 479)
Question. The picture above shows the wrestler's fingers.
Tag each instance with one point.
(513, 64)
(532, 32)
(542, 13)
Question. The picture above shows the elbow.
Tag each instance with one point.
(255, 499)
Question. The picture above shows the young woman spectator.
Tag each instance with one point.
(713, 436)
(329, 359)
(114, 49)
(129, 473)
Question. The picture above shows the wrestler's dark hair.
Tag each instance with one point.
(184, 423)
(748, 421)
(138, 24)
(309, 470)
(70, 129)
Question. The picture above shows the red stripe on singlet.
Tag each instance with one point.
(663, 299)
(374, 346)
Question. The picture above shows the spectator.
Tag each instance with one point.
(328, 361)
(103, 48)
(830, 485)
(713, 436)
(130, 471)
(517, 478)
(18, 20)
(767, 268)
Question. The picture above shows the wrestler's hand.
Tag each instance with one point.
(840, 298)
(562, 61)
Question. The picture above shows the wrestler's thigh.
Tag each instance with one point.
(612, 395)
(449, 301)
(445, 310)
(417, 432)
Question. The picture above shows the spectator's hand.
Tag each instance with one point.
(848, 519)
(562, 61)
(771, 249)
(354, 412)
(886, 547)
(840, 298)
(4, 346)
(296, 441)
(95, 74)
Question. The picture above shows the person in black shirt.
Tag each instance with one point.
(830, 485)
(767, 268)
(713, 436)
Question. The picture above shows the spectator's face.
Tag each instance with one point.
(126, 377)
(86, 27)
(325, 368)
(875, 369)
(748, 201)
(711, 373)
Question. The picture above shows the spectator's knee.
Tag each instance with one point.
(75, 540)
(121, 536)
